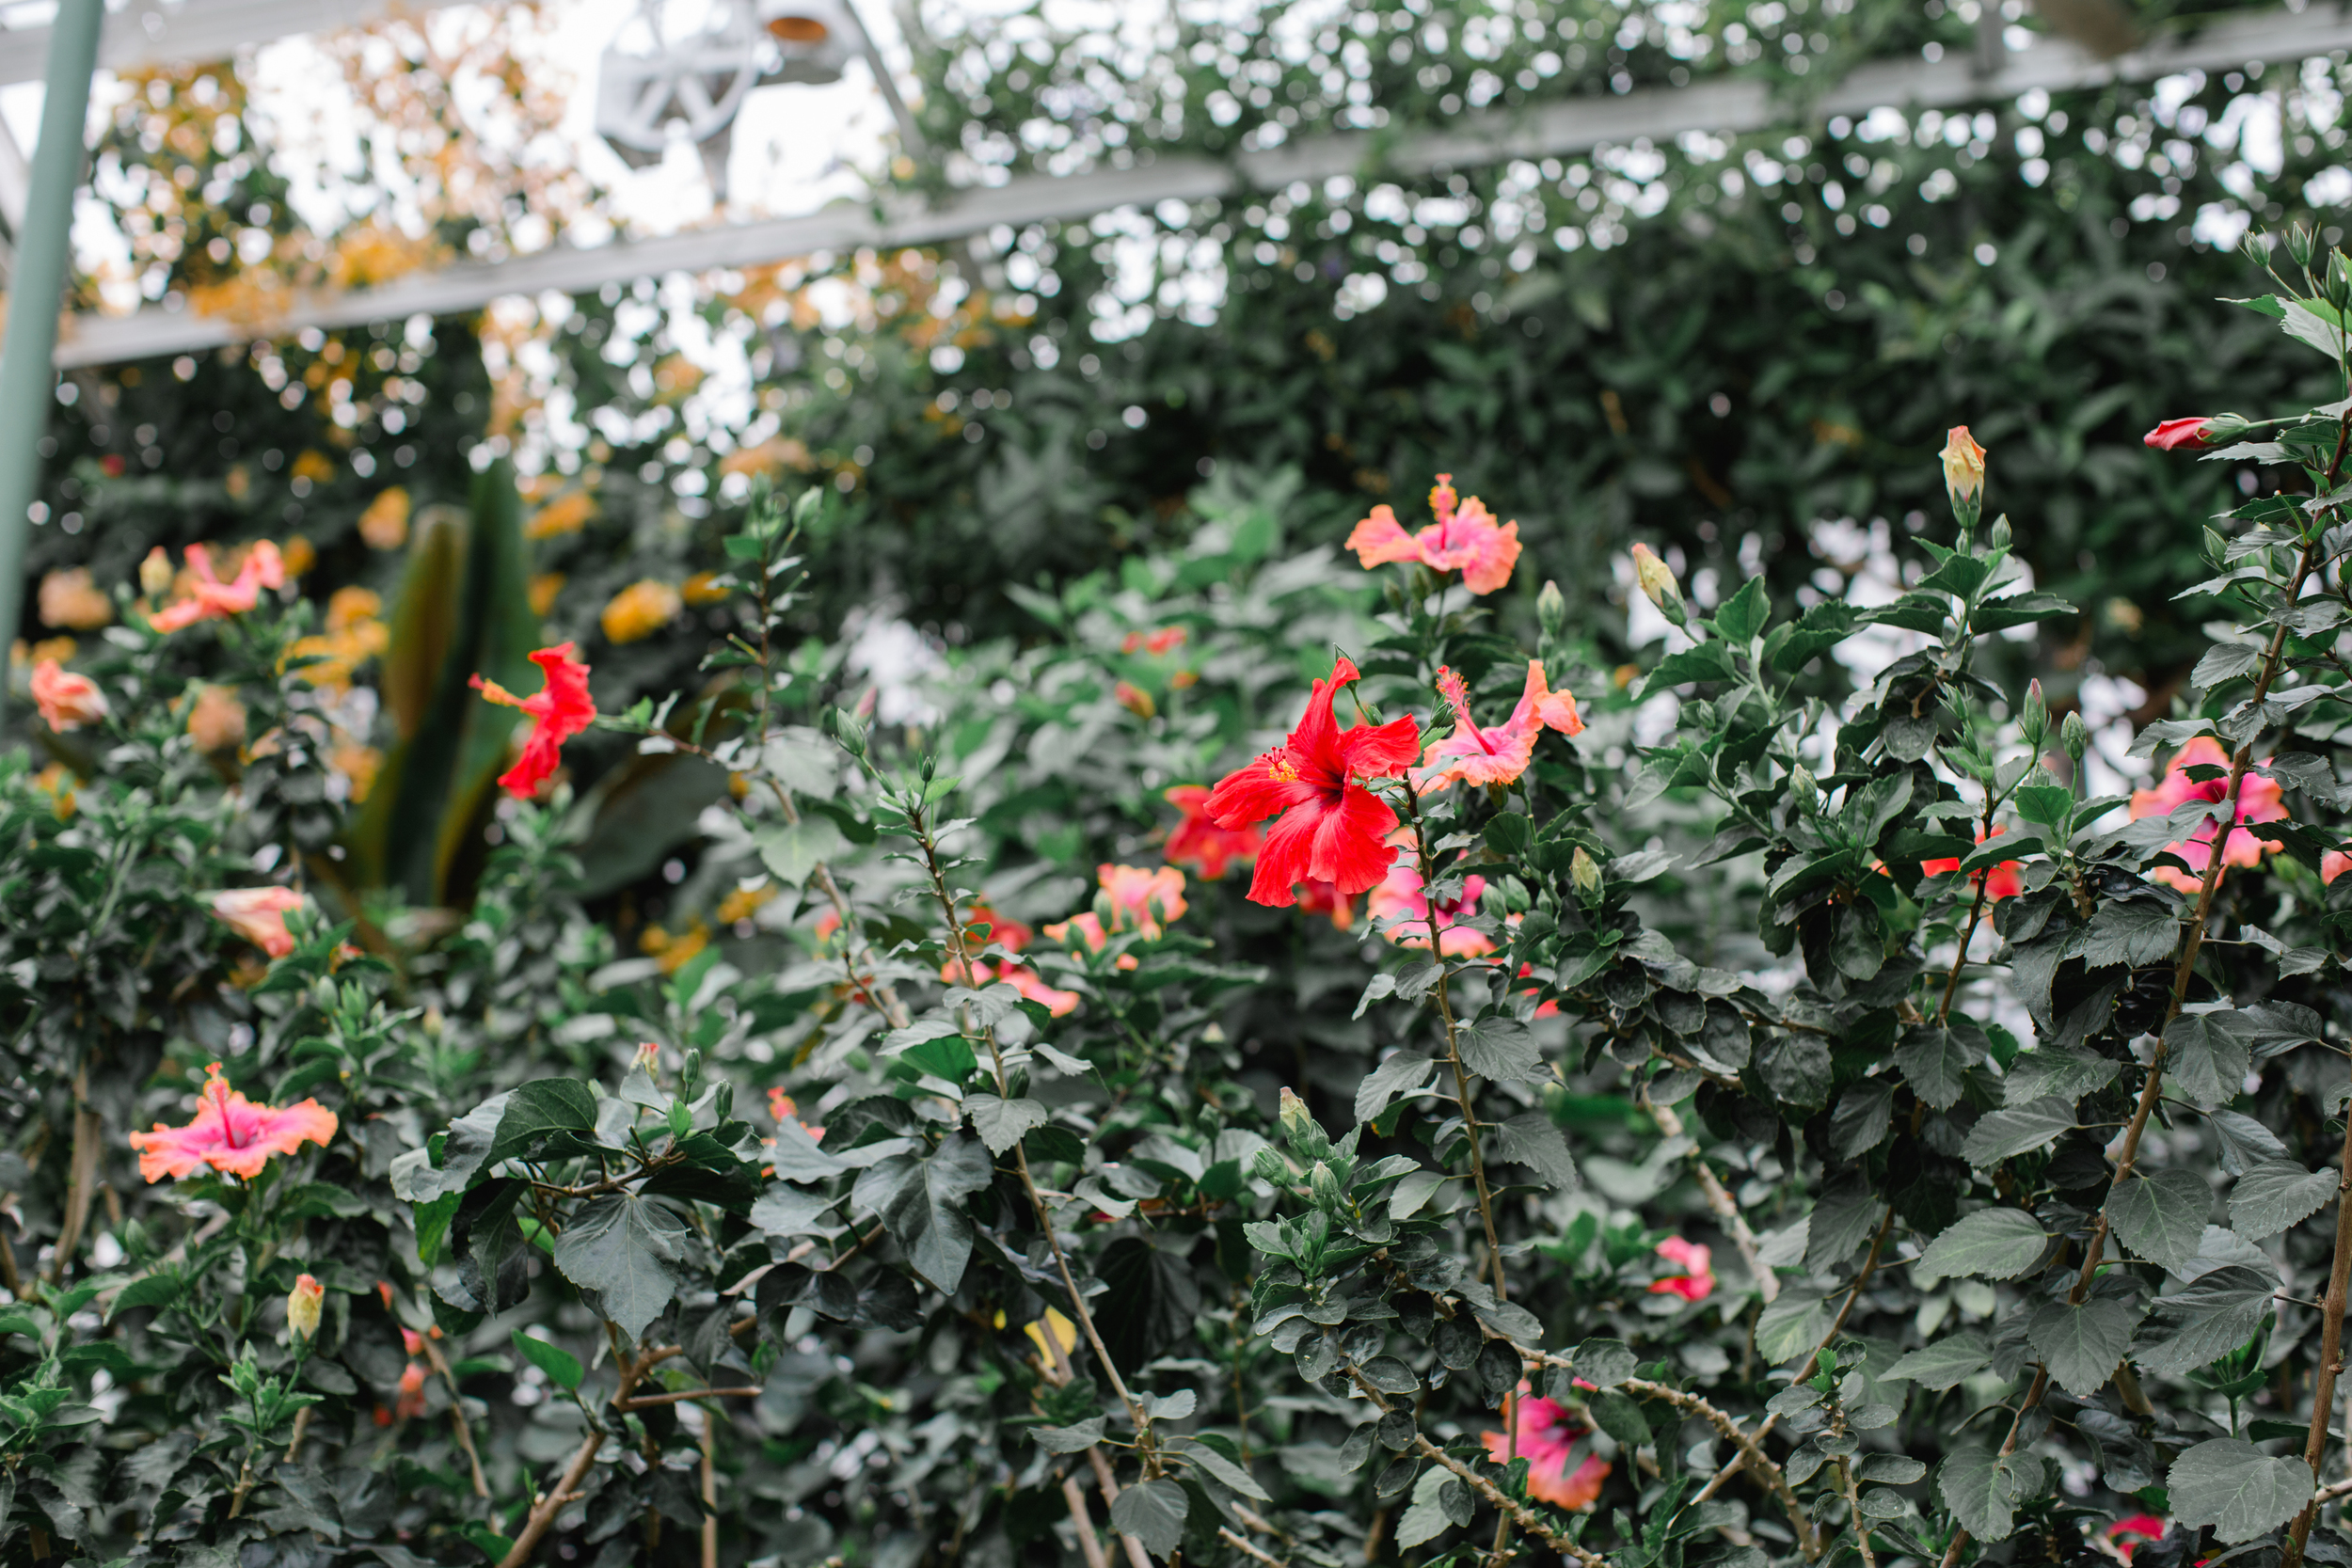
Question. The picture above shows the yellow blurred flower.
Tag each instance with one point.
(357, 765)
(62, 649)
(672, 952)
(563, 514)
(544, 588)
(385, 524)
(705, 588)
(216, 719)
(351, 606)
(155, 573)
(314, 466)
(744, 902)
(69, 599)
(353, 636)
(641, 610)
(56, 781)
(239, 482)
(298, 555)
(777, 451)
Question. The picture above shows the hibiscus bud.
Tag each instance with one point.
(303, 1305)
(2339, 286)
(1964, 471)
(1325, 1184)
(1657, 581)
(1551, 609)
(1272, 1167)
(1585, 873)
(1999, 537)
(2217, 548)
(2194, 433)
(1294, 1117)
(2033, 721)
(1803, 789)
(846, 730)
(155, 573)
(2074, 735)
(2302, 245)
(1307, 1137)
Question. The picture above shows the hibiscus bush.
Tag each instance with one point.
(1299, 1058)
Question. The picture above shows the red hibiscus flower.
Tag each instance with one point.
(1331, 828)
(1198, 841)
(2193, 435)
(2130, 1534)
(230, 1133)
(1463, 539)
(562, 709)
(2005, 882)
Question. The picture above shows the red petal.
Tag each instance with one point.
(1349, 842)
(1381, 751)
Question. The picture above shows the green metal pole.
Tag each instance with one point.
(37, 292)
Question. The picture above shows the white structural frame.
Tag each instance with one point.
(1726, 106)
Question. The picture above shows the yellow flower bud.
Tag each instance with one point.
(303, 1306)
(1964, 464)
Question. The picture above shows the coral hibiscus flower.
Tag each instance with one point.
(1547, 1435)
(1463, 539)
(2005, 880)
(1331, 828)
(209, 597)
(67, 700)
(561, 708)
(2259, 800)
(259, 915)
(1501, 755)
(1198, 842)
(230, 1133)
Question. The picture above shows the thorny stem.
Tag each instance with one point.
(963, 957)
(1853, 1501)
(1719, 1199)
(456, 1415)
(1498, 1552)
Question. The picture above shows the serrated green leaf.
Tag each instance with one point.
(2015, 1130)
(2228, 1483)
(1943, 1364)
(1934, 1057)
(1991, 1244)
(1002, 1123)
(2161, 1216)
(2082, 1343)
(561, 1365)
(2204, 1322)
(627, 1249)
(2276, 1196)
(1153, 1513)
(1502, 1048)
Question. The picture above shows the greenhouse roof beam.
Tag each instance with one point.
(1727, 107)
(147, 33)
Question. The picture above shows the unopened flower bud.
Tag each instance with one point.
(2074, 735)
(1964, 466)
(1552, 609)
(1999, 537)
(1295, 1117)
(1271, 1166)
(303, 1306)
(1325, 1184)
(2033, 721)
(2302, 245)
(1803, 789)
(2339, 285)
(1657, 581)
(155, 573)
(1585, 873)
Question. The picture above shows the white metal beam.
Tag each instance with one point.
(151, 32)
(1728, 106)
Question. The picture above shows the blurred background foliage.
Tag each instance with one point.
(1742, 349)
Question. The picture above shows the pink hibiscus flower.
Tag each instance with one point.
(1400, 894)
(2260, 800)
(211, 597)
(1499, 754)
(1697, 1280)
(1463, 539)
(259, 915)
(1548, 1431)
(230, 1133)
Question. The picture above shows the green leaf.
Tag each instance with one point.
(1933, 1058)
(1991, 1244)
(1530, 1139)
(1707, 661)
(1793, 1324)
(2204, 1322)
(1984, 1490)
(1069, 1439)
(1943, 1364)
(2278, 1194)
(1743, 614)
(1002, 1123)
(2226, 1482)
(1227, 1472)
(1619, 1417)
(920, 1202)
(2054, 1072)
(2161, 1217)
(1605, 1363)
(2082, 1343)
(2137, 932)
(794, 850)
(1796, 1069)
(1426, 1519)
(798, 1157)
(1153, 1513)
(1402, 1073)
(2016, 1129)
(788, 1212)
(626, 1250)
(2206, 1059)
(1864, 1118)
(1847, 1215)
(543, 1107)
(561, 1365)
(1501, 1048)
